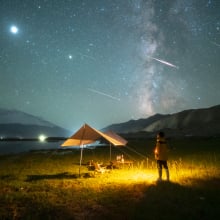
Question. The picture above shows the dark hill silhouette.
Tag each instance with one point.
(19, 132)
(31, 131)
(15, 123)
(134, 125)
(194, 122)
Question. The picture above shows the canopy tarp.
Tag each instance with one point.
(118, 140)
(87, 135)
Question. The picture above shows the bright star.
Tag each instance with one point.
(14, 29)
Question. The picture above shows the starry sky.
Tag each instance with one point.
(108, 61)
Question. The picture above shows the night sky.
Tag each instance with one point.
(108, 61)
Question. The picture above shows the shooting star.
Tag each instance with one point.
(215, 44)
(82, 56)
(104, 94)
(165, 62)
(87, 56)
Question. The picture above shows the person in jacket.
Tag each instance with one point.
(161, 155)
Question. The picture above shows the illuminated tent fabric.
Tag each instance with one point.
(87, 135)
(119, 141)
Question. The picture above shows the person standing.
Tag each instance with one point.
(161, 155)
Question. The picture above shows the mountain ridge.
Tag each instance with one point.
(190, 122)
(15, 123)
(12, 116)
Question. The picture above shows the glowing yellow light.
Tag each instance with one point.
(42, 138)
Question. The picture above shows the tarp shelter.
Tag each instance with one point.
(87, 135)
(120, 141)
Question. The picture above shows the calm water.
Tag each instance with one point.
(24, 146)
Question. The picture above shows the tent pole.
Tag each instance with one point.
(110, 152)
(81, 154)
(81, 146)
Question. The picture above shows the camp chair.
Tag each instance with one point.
(99, 168)
(96, 167)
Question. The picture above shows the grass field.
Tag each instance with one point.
(47, 184)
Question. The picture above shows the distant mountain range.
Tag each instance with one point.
(189, 123)
(16, 127)
(194, 122)
(15, 123)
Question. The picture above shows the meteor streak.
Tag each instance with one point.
(87, 56)
(215, 44)
(104, 94)
(165, 62)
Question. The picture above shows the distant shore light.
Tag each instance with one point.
(42, 138)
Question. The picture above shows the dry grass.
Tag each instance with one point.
(47, 186)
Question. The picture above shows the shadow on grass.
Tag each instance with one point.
(7, 177)
(64, 175)
(45, 210)
(167, 200)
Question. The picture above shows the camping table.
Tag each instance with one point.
(126, 163)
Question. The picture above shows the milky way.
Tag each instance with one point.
(108, 61)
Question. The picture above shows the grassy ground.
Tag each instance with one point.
(47, 185)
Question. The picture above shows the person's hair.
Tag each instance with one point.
(161, 134)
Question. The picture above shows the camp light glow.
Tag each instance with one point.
(130, 176)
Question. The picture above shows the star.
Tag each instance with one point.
(14, 29)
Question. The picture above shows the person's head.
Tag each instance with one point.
(161, 134)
